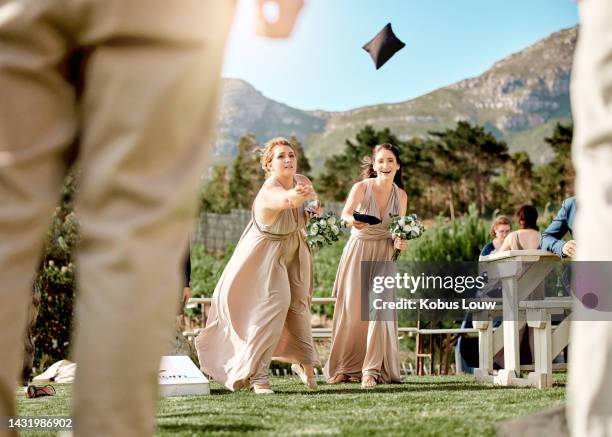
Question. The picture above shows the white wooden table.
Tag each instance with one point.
(521, 272)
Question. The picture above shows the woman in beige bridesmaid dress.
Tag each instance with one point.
(261, 304)
(367, 350)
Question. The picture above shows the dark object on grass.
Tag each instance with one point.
(34, 391)
(365, 218)
(383, 46)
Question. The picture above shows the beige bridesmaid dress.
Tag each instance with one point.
(261, 304)
(359, 347)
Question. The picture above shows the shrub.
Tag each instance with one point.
(206, 269)
(325, 265)
(55, 284)
(459, 240)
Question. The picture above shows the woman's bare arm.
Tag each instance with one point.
(271, 200)
(355, 198)
(507, 242)
(403, 202)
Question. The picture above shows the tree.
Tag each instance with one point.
(303, 165)
(417, 167)
(561, 143)
(554, 181)
(520, 172)
(515, 185)
(342, 170)
(247, 175)
(215, 194)
(448, 167)
(475, 157)
(54, 285)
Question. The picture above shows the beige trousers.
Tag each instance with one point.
(140, 123)
(590, 365)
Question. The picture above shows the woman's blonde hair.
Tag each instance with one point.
(499, 220)
(267, 153)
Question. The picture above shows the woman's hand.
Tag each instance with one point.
(569, 248)
(359, 225)
(288, 11)
(186, 295)
(305, 191)
(399, 244)
(314, 208)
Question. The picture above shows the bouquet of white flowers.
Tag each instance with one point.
(323, 230)
(405, 227)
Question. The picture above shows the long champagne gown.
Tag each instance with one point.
(363, 347)
(261, 304)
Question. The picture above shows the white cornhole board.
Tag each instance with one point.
(178, 376)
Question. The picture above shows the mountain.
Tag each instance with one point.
(519, 99)
(244, 109)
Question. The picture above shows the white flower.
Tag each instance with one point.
(406, 228)
(335, 229)
(64, 269)
(51, 263)
(401, 222)
(314, 229)
(322, 223)
(331, 220)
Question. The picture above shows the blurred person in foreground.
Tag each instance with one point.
(589, 392)
(134, 109)
(590, 363)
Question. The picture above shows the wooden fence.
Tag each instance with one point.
(214, 231)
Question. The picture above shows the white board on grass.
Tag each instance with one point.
(178, 376)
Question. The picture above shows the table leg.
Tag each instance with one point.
(510, 327)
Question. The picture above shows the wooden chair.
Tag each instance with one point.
(432, 346)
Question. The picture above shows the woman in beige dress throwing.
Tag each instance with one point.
(361, 349)
(261, 305)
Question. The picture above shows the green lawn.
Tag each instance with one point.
(424, 406)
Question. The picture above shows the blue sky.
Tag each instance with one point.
(322, 64)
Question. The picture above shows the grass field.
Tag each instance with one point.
(423, 406)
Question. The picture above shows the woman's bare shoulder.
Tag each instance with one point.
(402, 193)
(359, 186)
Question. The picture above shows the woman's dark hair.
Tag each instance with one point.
(527, 217)
(367, 165)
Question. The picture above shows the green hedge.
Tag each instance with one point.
(459, 240)
(206, 269)
(55, 284)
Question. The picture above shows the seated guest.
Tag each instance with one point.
(527, 236)
(499, 230)
(552, 237)
(468, 347)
